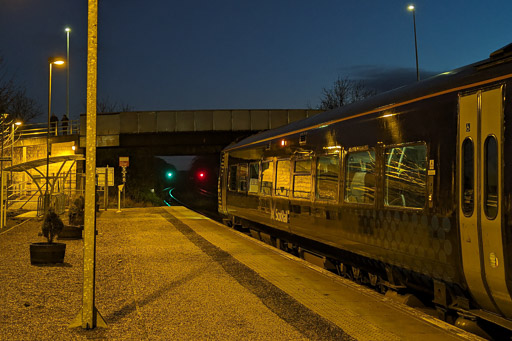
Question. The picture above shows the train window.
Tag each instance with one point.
(302, 166)
(302, 179)
(242, 177)
(327, 169)
(254, 173)
(405, 176)
(491, 177)
(267, 169)
(360, 177)
(282, 177)
(468, 191)
(232, 178)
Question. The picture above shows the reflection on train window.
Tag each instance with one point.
(282, 177)
(468, 171)
(327, 168)
(360, 177)
(491, 177)
(267, 170)
(232, 178)
(302, 179)
(242, 177)
(254, 173)
(405, 176)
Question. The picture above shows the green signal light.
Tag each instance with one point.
(169, 175)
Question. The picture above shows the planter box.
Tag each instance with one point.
(71, 232)
(46, 253)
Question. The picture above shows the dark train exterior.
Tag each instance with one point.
(412, 187)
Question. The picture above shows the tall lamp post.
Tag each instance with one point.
(15, 124)
(51, 61)
(10, 139)
(2, 176)
(68, 30)
(413, 10)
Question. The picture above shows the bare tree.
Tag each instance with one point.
(14, 99)
(344, 91)
(104, 105)
(23, 107)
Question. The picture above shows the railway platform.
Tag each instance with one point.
(168, 273)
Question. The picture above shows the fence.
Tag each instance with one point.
(56, 129)
(21, 193)
(57, 202)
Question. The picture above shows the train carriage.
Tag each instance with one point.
(410, 188)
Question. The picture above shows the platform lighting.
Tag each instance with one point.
(413, 10)
(13, 128)
(283, 143)
(68, 30)
(51, 61)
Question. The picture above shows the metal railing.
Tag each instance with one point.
(25, 192)
(56, 129)
(57, 202)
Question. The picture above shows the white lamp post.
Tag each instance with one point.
(413, 10)
(68, 30)
(51, 61)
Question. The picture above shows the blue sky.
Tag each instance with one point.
(229, 54)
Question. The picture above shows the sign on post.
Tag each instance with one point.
(100, 179)
(124, 161)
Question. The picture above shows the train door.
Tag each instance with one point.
(480, 197)
(222, 184)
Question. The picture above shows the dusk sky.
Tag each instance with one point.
(241, 54)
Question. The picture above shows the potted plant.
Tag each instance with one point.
(76, 220)
(49, 252)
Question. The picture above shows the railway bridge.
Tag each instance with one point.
(186, 132)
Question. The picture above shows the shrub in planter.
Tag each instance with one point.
(52, 225)
(76, 220)
(76, 212)
(49, 252)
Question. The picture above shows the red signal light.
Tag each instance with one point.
(201, 175)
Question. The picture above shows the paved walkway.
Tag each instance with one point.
(171, 274)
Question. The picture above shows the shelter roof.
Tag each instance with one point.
(21, 167)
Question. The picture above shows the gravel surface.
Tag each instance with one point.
(153, 281)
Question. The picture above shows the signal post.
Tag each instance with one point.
(124, 161)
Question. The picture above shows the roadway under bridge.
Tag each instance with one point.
(188, 132)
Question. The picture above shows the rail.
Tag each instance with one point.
(58, 202)
(41, 129)
(17, 190)
(24, 192)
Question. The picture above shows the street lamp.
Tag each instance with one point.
(13, 128)
(3, 215)
(413, 10)
(57, 61)
(67, 29)
(5, 141)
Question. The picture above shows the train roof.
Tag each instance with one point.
(497, 67)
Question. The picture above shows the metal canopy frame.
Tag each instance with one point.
(33, 164)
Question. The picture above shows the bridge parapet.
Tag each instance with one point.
(111, 125)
